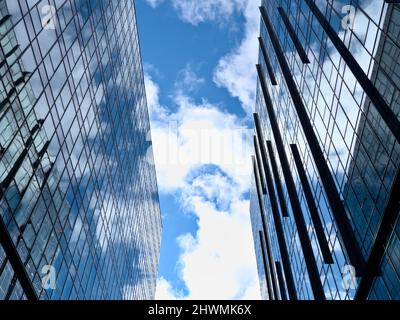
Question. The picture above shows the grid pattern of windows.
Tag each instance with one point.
(256, 226)
(78, 187)
(359, 149)
(374, 166)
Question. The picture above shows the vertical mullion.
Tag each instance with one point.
(258, 157)
(264, 226)
(345, 229)
(305, 242)
(293, 36)
(278, 268)
(279, 232)
(277, 179)
(319, 229)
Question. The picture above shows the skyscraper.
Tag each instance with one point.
(324, 200)
(79, 210)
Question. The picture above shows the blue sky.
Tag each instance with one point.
(199, 61)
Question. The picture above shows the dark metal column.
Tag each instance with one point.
(293, 36)
(260, 143)
(281, 281)
(16, 262)
(267, 270)
(312, 207)
(267, 62)
(258, 157)
(343, 224)
(277, 179)
(279, 232)
(305, 242)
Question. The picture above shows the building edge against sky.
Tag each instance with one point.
(79, 209)
(324, 199)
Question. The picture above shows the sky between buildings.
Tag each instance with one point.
(199, 62)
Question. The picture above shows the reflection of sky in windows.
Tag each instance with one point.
(96, 120)
(337, 106)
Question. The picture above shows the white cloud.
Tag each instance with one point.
(236, 71)
(165, 291)
(156, 111)
(252, 292)
(154, 3)
(203, 154)
(195, 12)
(219, 262)
(193, 136)
(188, 80)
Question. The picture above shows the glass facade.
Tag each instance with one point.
(327, 150)
(79, 207)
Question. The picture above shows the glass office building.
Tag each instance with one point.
(79, 209)
(326, 183)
